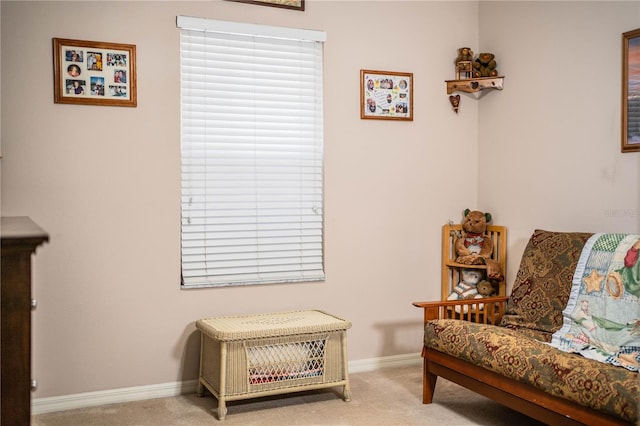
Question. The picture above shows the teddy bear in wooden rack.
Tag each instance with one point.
(474, 246)
(472, 285)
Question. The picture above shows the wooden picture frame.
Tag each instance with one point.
(94, 73)
(285, 4)
(631, 91)
(386, 95)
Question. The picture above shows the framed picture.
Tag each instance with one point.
(631, 91)
(386, 95)
(94, 73)
(286, 4)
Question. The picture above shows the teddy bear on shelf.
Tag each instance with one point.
(474, 247)
(485, 65)
(464, 59)
(467, 288)
(464, 54)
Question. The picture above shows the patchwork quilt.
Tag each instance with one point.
(602, 318)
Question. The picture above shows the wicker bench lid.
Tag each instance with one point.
(270, 324)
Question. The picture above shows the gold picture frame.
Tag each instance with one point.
(285, 4)
(386, 95)
(631, 91)
(94, 73)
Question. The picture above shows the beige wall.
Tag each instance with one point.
(104, 181)
(549, 143)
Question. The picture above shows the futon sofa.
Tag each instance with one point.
(502, 348)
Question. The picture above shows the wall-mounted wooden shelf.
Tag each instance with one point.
(473, 85)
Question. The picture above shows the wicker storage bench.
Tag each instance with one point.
(260, 355)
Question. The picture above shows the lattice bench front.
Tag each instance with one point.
(260, 355)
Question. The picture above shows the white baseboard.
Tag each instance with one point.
(111, 396)
(137, 393)
(371, 364)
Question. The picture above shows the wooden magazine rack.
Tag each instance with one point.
(451, 270)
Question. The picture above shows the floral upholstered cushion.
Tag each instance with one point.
(513, 354)
(543, 283)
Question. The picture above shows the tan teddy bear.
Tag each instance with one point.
(464, 61)
(474, 247)
(485, 288)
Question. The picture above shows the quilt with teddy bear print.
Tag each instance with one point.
(602, 318)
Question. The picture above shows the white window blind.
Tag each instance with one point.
(252, 153)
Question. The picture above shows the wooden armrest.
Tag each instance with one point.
(488, 310)
(433, 303)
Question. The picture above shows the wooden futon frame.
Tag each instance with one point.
(518, 396)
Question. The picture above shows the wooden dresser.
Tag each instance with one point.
(20, 237)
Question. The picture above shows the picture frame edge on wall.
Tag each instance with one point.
(106, 83)
(626, 145)
(370, 96)
(293, 5)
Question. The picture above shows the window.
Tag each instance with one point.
(252, 152)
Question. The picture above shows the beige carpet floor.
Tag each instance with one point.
(385, 397)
